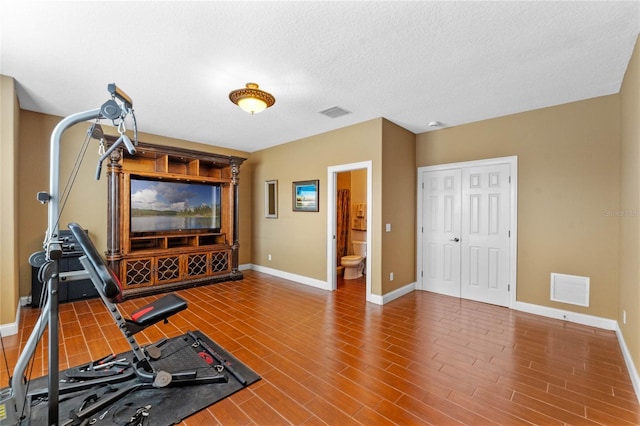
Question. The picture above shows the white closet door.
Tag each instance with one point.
(485, 234)
(441, 231)
(466, 232)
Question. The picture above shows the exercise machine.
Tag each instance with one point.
(137, 373)
(142, 365)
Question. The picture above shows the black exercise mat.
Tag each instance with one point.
(166, 406)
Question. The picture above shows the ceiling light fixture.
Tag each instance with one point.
(252, 99)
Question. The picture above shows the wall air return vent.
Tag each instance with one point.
(335, 112)
(570, 289)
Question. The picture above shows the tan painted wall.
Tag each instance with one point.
(398, 206)
(35, 133)
(297, 240)
(359, 186)
(9, 214)
(343, 180)
(87, 203)
(568, 160)
(630, 207)
(358, 195)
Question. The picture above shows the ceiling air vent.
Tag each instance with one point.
(335, 112)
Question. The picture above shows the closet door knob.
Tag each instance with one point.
(456, 239)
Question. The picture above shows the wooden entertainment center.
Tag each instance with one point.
(154, 261)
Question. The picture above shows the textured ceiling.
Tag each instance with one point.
(410, 62)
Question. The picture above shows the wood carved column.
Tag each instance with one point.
(235, 171)
(114, 221)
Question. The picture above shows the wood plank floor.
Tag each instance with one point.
(331, 358)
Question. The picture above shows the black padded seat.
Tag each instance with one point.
(158, 310)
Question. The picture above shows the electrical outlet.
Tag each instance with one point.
(391, 276)
(269, 257)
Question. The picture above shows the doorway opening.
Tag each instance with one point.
(358, 223)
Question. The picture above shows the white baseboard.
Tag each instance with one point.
(381, 300)
(323, 285)
(12, 328)
(245, 267)
(633, 371)
(590, 320)
(9, 329)
(292, 277)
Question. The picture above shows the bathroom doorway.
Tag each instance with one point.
(361, 203)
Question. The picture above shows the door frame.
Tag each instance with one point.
(332, 172)
(512, 161)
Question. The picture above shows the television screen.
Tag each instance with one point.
(174, 206)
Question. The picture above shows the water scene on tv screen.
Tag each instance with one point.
(173, 206)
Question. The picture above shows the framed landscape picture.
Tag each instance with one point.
(305, 196)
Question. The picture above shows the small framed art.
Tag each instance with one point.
(305, 196)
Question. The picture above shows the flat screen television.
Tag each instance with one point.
(164, 206)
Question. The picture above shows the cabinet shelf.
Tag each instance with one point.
(182, 164)
(173, 177)
(174, 241)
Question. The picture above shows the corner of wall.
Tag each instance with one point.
(629, 209)
(9, 119)
(398, 224)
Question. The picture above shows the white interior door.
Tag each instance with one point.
(485, 234)
(466, 248)
(441, 231)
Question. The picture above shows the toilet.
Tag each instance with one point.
(354, 264)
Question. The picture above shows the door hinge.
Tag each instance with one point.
(509, 234)
(509, 179)
(508, 287)
(421, 273)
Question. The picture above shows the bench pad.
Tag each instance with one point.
(158, 310)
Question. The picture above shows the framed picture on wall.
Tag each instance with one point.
(305, 196)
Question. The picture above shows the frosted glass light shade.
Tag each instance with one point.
(252, 105)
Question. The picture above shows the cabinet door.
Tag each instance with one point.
(197, 265)
(220, 262)
(137, 272)
(167, 269)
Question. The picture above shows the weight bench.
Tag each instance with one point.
(109, 289)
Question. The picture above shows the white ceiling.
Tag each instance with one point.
(410, 62)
